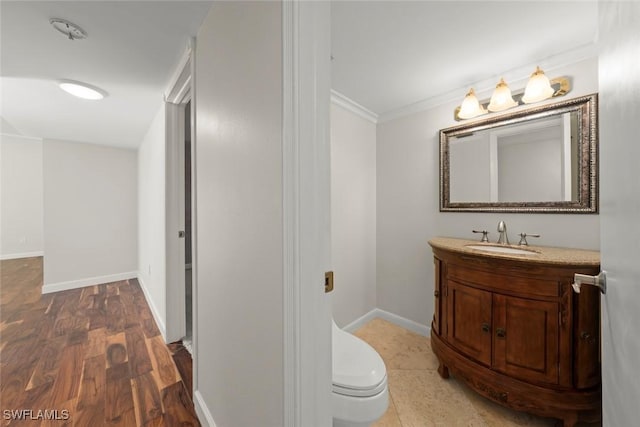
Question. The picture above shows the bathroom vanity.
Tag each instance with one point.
(511, 327)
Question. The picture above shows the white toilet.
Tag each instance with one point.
(360, 394)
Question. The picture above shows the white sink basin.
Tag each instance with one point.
(502, 249)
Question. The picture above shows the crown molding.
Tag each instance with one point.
(348, 104)
(16, 135)
(180, 84)
(486, 86)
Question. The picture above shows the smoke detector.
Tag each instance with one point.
(69, 29)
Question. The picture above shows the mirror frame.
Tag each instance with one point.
(587, 108)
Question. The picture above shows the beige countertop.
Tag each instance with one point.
(541, 254)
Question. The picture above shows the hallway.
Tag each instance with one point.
(88, 357)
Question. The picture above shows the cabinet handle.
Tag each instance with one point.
(436, 293)
(586, 336)
(500, 332)
(485, 327)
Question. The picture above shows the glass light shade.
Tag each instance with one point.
(501, 99)
(82, 90)
(470, 107)
(538, 88)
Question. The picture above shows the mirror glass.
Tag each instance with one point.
(541, 159)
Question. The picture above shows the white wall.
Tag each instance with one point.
(21, 232)
(408, 205)
(151, 217)
(353, 214)
(470, 157)
(90, 218)
(530, 170)
(239, 255)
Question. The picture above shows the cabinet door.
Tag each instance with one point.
(438, 294)
(469, 321)
(525, 341)
(586, 337)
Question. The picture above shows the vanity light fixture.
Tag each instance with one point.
(82, 90)
(538, 88)
(471, 107)
(501, 99)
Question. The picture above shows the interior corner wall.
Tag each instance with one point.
(90, 219)
(21, 233)
(353, 215)
(239, 257)
(151, 216)
(408, 209)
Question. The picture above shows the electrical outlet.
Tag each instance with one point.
(22, 240)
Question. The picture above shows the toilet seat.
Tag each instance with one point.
(348, 391)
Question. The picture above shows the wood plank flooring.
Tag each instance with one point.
(184, 363)
(90, 357)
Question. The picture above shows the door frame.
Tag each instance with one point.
(306, 30)
(180, 92)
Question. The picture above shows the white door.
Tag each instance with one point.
(179, 93)
(175, 224)
(619, 86)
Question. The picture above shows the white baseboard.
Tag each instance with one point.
(360, 321)
(204, 415)
(90, 281)
(403, 322)
(154, 309)
(22, 255)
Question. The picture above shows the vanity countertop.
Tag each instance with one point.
(544, 254)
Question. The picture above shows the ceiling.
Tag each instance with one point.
(131, 52)
(389, 55)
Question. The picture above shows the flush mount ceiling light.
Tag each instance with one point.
(82, 90)
(539, 88)
(69, 29)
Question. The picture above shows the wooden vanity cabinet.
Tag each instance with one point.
(515, 332)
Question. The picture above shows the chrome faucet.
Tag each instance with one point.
(503, 239)
(523, 238)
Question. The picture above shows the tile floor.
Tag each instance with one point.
(419, 397)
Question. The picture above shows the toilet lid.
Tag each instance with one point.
(357, 367)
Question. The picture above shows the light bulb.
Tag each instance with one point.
(501, 98)
(470, 107)
(538, 88)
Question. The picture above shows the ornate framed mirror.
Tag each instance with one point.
(539, 160)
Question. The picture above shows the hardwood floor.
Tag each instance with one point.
(184, 363)
(87, 357)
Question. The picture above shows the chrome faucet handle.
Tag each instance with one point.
(485, 235)
(503, 239)
(523, 238)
